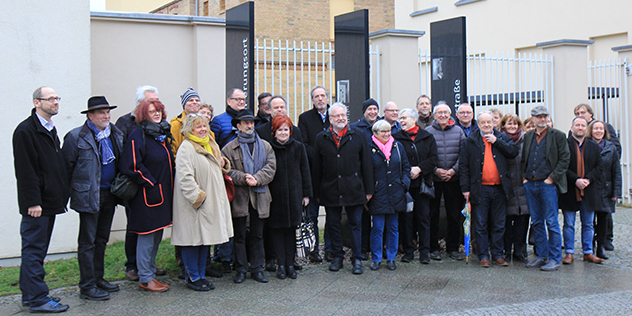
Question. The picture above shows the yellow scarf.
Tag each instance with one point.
(204, 142)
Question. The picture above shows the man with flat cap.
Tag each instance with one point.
(91, 152)
(253, 165)
(42, 182)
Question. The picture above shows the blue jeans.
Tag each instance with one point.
(194, 259)
(489, 219)
(542, 203)
(380, 222)
(587, 218)
(354, 217)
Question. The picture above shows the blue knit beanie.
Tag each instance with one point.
(188, 94)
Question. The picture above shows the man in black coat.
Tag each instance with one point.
(92, 152)
(311, 123)
(343, 172)
(485, 182)
(584, 179)
(278, 105)
(42, 182)
(263, 113)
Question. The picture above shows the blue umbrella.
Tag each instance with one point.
(466, 230)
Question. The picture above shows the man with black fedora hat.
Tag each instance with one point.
(253, 165)
(91, 152)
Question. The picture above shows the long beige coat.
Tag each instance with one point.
(239, 205)
(201, 211)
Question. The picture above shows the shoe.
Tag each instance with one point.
(239, 277)
(363, 256)
(607, 245)
(336, 265)
(423, 258)
(537, 263)
(198, 285)
(208, 284)
(107, 286)
(484, 263)
(592, 258)
(94, 294)
(161, 272)
(281, 272)
(357, 267)
(551, 266)
(501, 262)
(568, 258)
(329, 257)
(52, 298)
(435, 255)
(455, 255)
(314, 256)
(270, 265)
(132, 275)
(291, 272)
(259, 277)
(153, 286)
(374, 266)
(601, 253)
(390, 264)
(519, 258)
(407, 257)
(209, 271)
(226, 267)
(297, 266)
(50, 307)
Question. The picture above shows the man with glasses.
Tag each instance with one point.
(446, 182)
(221, 126)
(545, 159)
(465, 119)
(391, 114)
(278, 105)
(42, 180)
(311, 123)
(263, 114)
(343, 172)
(424, 109)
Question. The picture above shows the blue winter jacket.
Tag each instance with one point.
(392, 179)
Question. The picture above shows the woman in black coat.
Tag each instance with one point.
(611, 187)
(391, 173)
(148, 160)
(421, 151)
(517, 223)
(291, 189)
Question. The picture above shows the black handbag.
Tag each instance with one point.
(123, 187)
(425, 190)
(305, 237)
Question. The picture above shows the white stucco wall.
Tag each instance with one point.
(41, 43)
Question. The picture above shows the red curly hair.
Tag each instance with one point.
(142, 111)
(279, 120)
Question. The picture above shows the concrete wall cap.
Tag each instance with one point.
(156, 17)
(394, 32)
(424, 11)
(565, 42)
(624, 48)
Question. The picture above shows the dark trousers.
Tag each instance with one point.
(284, 244)
(516, 227)
(312, 215)
(332, 223)
(601, 227)
(366, 232)
(609, 233)
(454, 202)
(94, 233)
(417, 221)
(255, 242)
(35, 232)
(490, 216)
(268, 245)
(131, 240)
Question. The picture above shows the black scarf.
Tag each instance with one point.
(159, 132)
(232, 112)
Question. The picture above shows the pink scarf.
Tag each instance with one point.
(385, 148)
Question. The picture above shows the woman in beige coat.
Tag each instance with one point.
(201, 210)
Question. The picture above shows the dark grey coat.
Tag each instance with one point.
(517, 205)
(448, 147)
(612, 177)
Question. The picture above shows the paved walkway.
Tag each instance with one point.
(447, 287)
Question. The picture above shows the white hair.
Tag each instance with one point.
(412, 113)
(140, 92)
(337, 105)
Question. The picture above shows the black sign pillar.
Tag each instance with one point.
(352, 60)
(448, 54)
(240, 50)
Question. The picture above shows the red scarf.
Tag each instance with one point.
(338, 136)
(412, 132)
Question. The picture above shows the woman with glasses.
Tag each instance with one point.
(611, 189)
(148, 160)
(421, 151)
(517, 218)
(291, 189)
(391, 174)
(201, 210)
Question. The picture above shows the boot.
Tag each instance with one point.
(600, 251)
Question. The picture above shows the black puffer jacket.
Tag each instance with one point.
(612, 176)
(448, 147)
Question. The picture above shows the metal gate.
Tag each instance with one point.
(608, 96)
(291, 69)
(510, 82)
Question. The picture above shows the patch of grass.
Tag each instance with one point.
(65, 272)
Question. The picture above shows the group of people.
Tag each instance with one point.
(387, 174)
